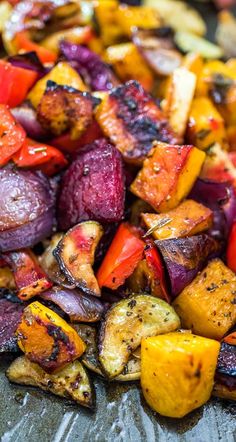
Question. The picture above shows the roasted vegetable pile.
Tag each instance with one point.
(118, 200)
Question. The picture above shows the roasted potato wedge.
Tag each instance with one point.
(126, 323)
(75, 255)
(72, 382)
(131, 371)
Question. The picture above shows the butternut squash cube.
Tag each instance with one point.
(62, 74)
(106, 17)
(177, 372)
(208, 304)
(205, 125)
(189, 218)
(129, 64)
(47, 339)
(137, 17)
(168, 175)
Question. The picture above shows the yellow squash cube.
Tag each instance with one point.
(205, 125)
(177, 372)
(132, 17)
(207, 305)
(189, 218)
(62, 74)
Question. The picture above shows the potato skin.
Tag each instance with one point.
(93, 187)
(177, 372)
(207, 305)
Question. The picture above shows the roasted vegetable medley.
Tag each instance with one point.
(118, 199)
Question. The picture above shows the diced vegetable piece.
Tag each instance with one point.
(188, 219)
(29, 277)
(10, 316)
(168, 175)
(179, 99)
(224, 391)
(156, 271)
(75, 35)
(50, 265)
(129, 64)
(75, 255)
(63, 108)
(47, 339)
(131, 371)
(93, 187)
(180, 16)
(40, 156)
(185, 257)
(70, 382)
(219, 166)
(225, 378)
(193, 62)
(157, 48)
(97, 74)
(187, 42)
(62, 74)
(24, 43)
(122, 257)
(106, 17)
(6, 278)
(177, 372)
(12, 135)
(10, 76)
(205, 125)
(126, 323)
(129, 18)
(217, 80)
(77, 305)
(132, 120)
(207, 305)
(230, 339)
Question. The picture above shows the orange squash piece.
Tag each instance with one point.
(168, 175)
(47, 339)
(177, 372)
(189, 218)
(207, 305)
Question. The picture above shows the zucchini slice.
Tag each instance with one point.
(72, 382)
(126, 323)
(75, 255)
(188, 42)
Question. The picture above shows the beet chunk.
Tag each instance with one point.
(93, 186)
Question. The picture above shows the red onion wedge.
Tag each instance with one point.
(26, 208)
(80, 307)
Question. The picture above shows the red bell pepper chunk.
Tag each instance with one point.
(122, 257)
(231, 249)
(40, 156)
(12, 135)
(15, 83)
(23, 42)
(230, 339)
(29, 277)
(65, 143)
(156, 267)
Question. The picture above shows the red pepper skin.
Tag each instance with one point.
(231, 249)
(230, 339)
(156, 267)
(12, 135)
(29, 277)
(122, 257)
(15, 83)
(40, 156)
(23, 42)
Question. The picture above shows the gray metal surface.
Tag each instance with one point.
(30, 415)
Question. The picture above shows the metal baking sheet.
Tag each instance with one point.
(30, 415)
